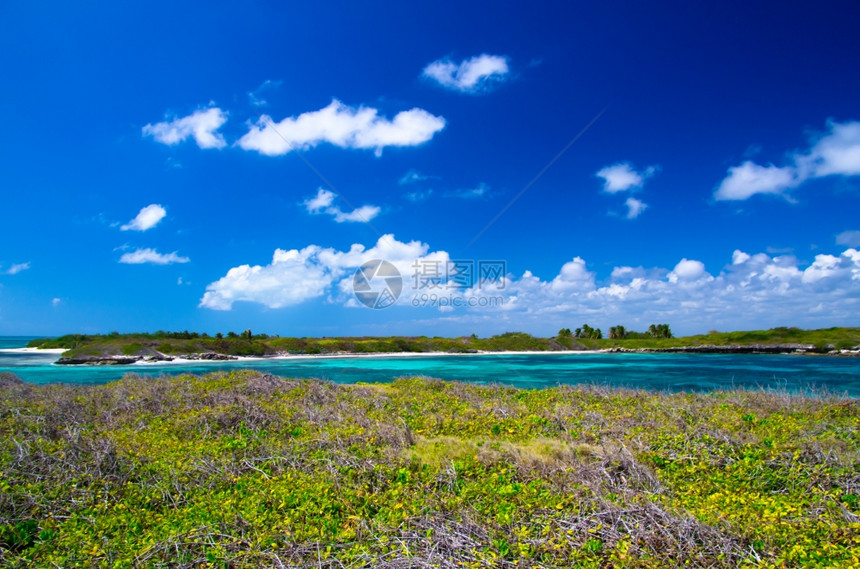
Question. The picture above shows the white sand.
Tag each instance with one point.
(33, 350)
(183, 361)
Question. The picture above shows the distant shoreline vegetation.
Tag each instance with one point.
(116, 348)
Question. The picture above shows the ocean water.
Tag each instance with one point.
(663, 372)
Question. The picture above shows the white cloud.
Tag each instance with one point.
(474, 75)
(152, 257)
(55, 302)
(739, 257)
(749, 179)
(479, 191)
(296, 276)
(255, 97)
(323, 203)
(687, 270)
(621, 177)
(634, 207)
(320, 202)
(836, 152)
(849, 238)
(201, 125)
(17, 268)
(343, 126)
(413, 176)
(754, 291)
(147, 218)
(361, 214)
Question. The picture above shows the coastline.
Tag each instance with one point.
(185, 359)
(179, 360)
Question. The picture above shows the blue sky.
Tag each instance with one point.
(224, 166)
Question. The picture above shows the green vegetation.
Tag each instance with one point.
(658, 336)
(249, 470)
(247, 344)
(588, 333)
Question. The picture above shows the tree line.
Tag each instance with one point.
(616, 333)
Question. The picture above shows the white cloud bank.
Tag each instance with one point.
(296, 276)
(474, 75)
(201, 125)
(323, 202)
(151, 257)
(147, 218)
(834, 153)
(343, 126)
(755, 290)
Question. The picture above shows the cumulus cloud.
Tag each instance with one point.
(55, 302)
(299, 275)
(849, 238)
(147, 218)
(17, 268)
(834, 153)
(202, 125)
(837, 152)
(749, 179)
(688, 270)
(634, 207)
(343, 126)
(754, 291)
(320, 202)
(361, 214)
(474, 75)
(323, 202)
(621, 177)
(151, 257)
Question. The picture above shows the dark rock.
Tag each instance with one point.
(735, 349)
(98, 360)
(157, 358)
(209, 356)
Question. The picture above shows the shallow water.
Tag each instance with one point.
(665, 372)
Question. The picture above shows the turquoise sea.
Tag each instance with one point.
(665, 372)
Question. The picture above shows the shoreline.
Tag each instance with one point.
(212, 357)
(179, 360)
(33, 350)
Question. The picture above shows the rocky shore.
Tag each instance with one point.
(112, 360)
(128, 360)
(745, 349)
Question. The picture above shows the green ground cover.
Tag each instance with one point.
(243, 469)
(247, 344)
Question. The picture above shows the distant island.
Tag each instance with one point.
(122, 349)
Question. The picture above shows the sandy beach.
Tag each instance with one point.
(32, 350)
(184, 361)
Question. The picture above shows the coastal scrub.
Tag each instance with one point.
(243, 469)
